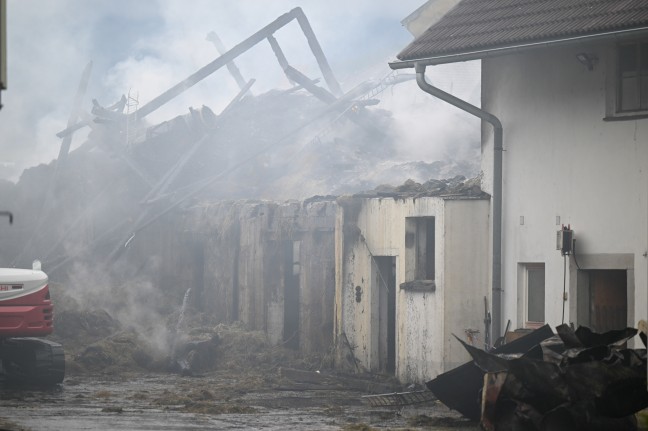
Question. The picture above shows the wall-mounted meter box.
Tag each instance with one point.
(565, 240)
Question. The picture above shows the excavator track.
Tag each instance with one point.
(32, 361)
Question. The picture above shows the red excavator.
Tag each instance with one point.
(26, 312)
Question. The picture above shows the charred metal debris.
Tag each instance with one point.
(574, 380)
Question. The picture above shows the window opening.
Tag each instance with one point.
(535, 295)
(419, 242)
(632, 66)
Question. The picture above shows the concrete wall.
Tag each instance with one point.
(563, 164)
(425, 320)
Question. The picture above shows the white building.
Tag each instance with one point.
(564, 142)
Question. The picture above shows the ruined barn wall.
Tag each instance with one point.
(247, 248)
(252, 310)
(162, 255)
(307, 229)
(317, 277)
(218, 225)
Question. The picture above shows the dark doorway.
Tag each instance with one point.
(385, 287)
(235, 287)
(608, 296)
(291, 269)
(198, 260)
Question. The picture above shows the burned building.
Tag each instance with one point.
(411, 269)
(230, 213)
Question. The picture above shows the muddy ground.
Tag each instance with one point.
(217, 400)
(193, 373)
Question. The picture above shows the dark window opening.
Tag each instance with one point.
(419, 242)
(632, 66)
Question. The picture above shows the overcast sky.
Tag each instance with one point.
(146, 46)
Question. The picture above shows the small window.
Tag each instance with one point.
(535, 295)
(419, 249)
(632, 77)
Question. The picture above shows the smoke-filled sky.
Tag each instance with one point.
(146, 46)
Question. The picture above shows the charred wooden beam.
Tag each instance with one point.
(74, 114)
(228, 57)
(244, 90)
(281, 57)
(316, 49)
(239, 49)
(231, 66)
(303, 80)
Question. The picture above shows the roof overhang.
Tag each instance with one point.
(512, 49)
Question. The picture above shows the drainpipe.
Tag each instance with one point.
(497, 188)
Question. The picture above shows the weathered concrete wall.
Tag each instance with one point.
(424, 319)
(247, 255)
(563, 164)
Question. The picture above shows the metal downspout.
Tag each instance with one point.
(497, 188)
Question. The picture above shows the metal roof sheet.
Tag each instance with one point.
(475, 25)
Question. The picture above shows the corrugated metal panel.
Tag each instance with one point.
(483, 24)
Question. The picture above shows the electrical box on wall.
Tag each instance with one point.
(565, 240)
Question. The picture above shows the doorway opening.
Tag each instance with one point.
(603, 299)
(292, 271)
(384, 285)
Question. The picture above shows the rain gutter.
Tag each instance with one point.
(491, 52)
(497, 189)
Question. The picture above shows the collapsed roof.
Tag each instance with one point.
(284, 144)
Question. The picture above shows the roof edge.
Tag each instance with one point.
(511, 49)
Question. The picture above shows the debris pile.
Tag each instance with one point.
(458, 186)
(575, 380)
(98, 343)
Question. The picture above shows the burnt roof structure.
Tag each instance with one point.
(479, 28)
(283, 144)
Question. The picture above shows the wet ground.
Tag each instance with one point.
(220, 400)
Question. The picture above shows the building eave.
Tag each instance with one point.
(513, 49)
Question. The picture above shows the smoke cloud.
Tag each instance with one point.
(145, 47)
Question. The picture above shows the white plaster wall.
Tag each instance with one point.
(421, 336)
(562, 159)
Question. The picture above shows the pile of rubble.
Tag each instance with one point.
(104, 346)
(457, 186)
